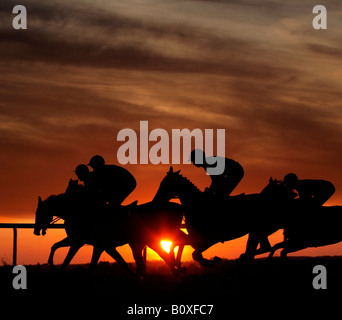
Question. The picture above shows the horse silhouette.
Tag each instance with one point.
(137, 225)
(210, 221)
(315, 226)
(306, 223)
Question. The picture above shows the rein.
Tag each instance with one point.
(55, 220)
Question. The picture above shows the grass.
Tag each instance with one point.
(261, 282)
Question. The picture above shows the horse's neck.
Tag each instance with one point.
(276, 193)
(190, 193)
(189, 190)
(57, 205)
(159, 197)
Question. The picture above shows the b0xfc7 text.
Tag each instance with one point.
(204, 309)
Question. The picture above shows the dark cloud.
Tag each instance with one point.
(326, 50)
(84, 70)
(90, 36)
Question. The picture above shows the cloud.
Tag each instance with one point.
(86, 69)
(87, 35)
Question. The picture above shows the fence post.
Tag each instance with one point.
(15, 246)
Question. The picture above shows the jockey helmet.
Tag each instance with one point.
(96, 162)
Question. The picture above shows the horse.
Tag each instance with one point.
(319, 228)
(305, 223)
(207, 220)
(282, 202)
(137, 225)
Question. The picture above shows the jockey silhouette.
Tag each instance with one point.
(87, 178)
(314, 191)
(113, 183)
(221, 185)
(89, 191)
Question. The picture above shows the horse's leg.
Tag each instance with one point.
(197, 255)
(171, 254)
(179, 255)
(97, 251)
(72, 251)
(117, 257)
(175, 259)
(288, 246)
(137, 254)
(252, 244)
(275, 248)
(172, 251)
(292, 246)
(166, 257)
(66, 242)
(182, 241)
(265, 246)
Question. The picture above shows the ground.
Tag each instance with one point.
(258, 287)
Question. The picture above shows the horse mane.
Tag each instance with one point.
(190, 183)
(54, 197)
(53, 200)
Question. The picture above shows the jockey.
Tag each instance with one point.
(89, 188)
(86, 177)
(315, 191)
(221, 185)
(114, 183)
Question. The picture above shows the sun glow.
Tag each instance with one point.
(166, 245)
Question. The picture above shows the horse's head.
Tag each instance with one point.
(43, 217)
(173, 186)
(274, 189)
(167, 189)
(73, 187)
(271, 186)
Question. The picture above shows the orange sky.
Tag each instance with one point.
(84, 70)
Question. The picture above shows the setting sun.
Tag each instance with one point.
(166, 245)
